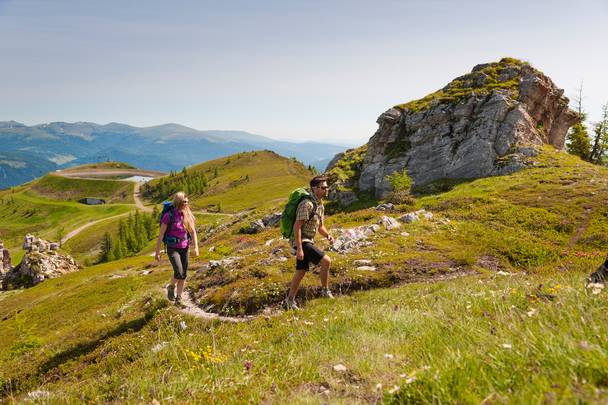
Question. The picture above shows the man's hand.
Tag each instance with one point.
(330, 239)
(300, 254)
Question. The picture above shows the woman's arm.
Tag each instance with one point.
(161, 233)
(195, 238)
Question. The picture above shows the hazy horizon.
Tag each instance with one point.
(295, 70)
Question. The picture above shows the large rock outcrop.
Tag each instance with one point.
(41, 261)
(5, 260)
(485, 123)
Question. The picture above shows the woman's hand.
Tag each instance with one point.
(196, 251)
(157, 256)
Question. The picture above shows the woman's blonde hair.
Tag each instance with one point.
(178, 203)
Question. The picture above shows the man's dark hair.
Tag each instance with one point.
(317, 180)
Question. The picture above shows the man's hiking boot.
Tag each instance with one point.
(171, 292)
(290, 304)
(326, 293)
(179, 303)
(599, 276)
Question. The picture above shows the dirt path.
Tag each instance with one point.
(136, 197)
(220, 214)
(76, 231)
(580, 230)
(138, 203)
(191, 309)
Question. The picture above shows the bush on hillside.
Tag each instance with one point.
(133, 235)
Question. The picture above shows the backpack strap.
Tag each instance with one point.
(171, 213)
(314, 206)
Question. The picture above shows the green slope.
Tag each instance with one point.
(105, 335)
(73, 189)
(242, 181)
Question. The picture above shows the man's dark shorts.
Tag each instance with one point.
(312, 254)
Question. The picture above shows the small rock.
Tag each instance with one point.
(340, 368)
(366, 268)
(159, 346)
(410, 380)
(583, 344)
(38, 394)
(409, 218)
(269, 242)
(182, 325)
(272, 220)
(388, 356)
(385, 207)
(362, 262)
(389, 223)
(503, 273)
(405, 234)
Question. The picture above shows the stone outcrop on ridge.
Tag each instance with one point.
(5, 260)
(485, 123)
(41, 261)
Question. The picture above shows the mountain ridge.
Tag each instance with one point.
(164, 147)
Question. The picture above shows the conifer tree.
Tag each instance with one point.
(579, 143)
(107, 253)
(600, 140)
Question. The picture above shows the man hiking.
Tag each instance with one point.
(308, 221)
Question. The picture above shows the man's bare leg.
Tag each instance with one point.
(295, 284)
(325, 263)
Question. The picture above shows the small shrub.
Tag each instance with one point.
(400, 181)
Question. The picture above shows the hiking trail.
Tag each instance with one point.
(193, 310)
(138, 203)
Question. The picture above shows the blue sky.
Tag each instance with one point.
(296, 70)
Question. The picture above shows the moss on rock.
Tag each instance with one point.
(503, 75)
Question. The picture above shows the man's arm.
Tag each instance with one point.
(297, 231)
(325, 233)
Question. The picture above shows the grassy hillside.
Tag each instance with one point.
(487, 305)
(21, 212)
(72, 189)
(86, 246)
(100, 165)
(245, 180)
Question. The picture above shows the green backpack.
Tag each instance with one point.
(288, 218)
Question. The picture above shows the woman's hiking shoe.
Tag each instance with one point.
(179, 303)
(326, 292)
(290, 304)
(599, 276)
(171, 292)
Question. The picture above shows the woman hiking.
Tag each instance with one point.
(177, 230)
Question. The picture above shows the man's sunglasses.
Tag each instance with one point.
(323, 187)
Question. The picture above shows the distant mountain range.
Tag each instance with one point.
(26, 152)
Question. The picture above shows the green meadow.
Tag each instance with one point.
(483, 303)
